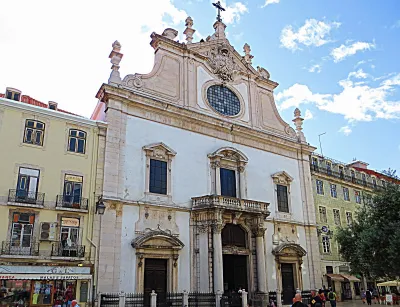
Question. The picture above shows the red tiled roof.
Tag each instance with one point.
(34, 102)
(376, 174)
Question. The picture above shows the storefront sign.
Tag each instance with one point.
(47, 276)
(73, 178)
(44, 270)
(70, 222)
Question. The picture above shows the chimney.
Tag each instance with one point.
(53, 105)
(13, 94)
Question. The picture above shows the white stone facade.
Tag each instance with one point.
(165, 115)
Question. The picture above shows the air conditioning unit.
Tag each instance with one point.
(48, 231)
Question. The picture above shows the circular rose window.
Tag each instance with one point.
(223, 100)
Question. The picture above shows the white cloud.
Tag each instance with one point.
(53, 49)
(346, 130)
(308, 115)
(312, 33)
(340, 53)
(232, 12)
(359, 74)
(315, 68)
(396, 24)
(356, 101)
(268, 2)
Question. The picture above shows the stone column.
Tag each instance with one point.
(203, 258)
(262, 274)
(217, 178)
(217, 255)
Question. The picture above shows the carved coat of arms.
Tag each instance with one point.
(222, 63)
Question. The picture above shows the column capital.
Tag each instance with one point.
(217, 227)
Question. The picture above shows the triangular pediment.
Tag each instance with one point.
(159, 149)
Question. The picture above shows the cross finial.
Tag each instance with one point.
(219, 8)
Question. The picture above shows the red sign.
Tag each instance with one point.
(19, 284)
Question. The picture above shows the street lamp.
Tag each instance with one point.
(100, 206)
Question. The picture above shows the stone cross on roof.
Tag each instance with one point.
(219, 8)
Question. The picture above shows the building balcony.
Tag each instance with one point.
(230, 203)
(71, 202)
(75, 251)
(9, 248)
(342, 176)
(26, 197)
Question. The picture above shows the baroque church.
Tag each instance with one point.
(207, 188)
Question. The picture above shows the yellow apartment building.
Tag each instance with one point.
(49, 186)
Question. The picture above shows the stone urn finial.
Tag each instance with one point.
(116, 57)
(189, 31)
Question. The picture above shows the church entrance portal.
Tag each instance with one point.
(155, 278)
(235, 273)
(288, 289)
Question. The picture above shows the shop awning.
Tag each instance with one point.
(350, 278)
(46, 276)
(335, 277)
(393, 283)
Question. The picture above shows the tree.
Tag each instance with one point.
(372, 243)
(390, 173)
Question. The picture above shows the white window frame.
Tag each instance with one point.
(283, 179)
(320, 187)
(336, 217)
(357, 196)
(344, 194)
(349, 218)
(158, 151)
(333, 191)
(322, 214)
(326, 245)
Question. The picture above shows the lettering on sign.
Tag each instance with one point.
(73, 178)
(70, 222)
(6, 276)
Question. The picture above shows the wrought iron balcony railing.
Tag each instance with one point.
(15, 248)
(74, 251)
(343, 176)
(26, 197)
(66, 201)
(231, 203)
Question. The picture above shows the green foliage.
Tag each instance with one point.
(372, 243)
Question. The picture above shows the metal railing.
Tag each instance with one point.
(341, 175)
(66, 201)
(232, 203)
(75, 251)
(26, 197)
(134, 299)
(109, 300)
(199, 299)
(15, 249)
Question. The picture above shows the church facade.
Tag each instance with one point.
(206, 187)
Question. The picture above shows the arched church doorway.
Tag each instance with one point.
(235, 258)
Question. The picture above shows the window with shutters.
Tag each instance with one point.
(283, 182)
(34, 132)
(322, 214)
(336, 216)
(228, 182)
(158, 177)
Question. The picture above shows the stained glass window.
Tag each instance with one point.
(223, 100)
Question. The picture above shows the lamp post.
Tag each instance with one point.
(100, 210)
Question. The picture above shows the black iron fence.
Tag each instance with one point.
(306, 297)
(75, 251)
(26, 197)
(20, 248)
(169, 299)
(134, 300)
(199, 299)
(231, 300)
(109, 300)
(70, 201)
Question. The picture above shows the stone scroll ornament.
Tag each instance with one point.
(222, 63)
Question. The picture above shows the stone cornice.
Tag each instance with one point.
(139, 105)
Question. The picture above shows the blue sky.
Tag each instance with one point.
(338, 61)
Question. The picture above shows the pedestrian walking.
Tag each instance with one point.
(298, 301)
(368, 296)
(363, 297)
(315, 299)
(332, 297)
